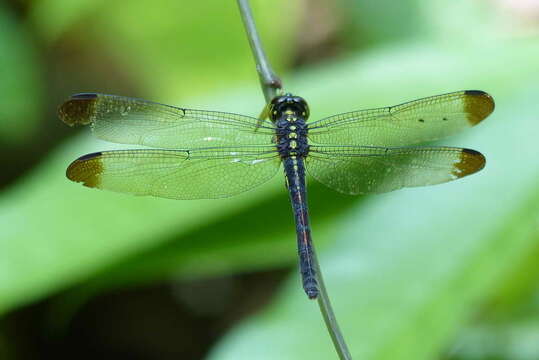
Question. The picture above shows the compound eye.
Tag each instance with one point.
(300, 100)
(278, 100)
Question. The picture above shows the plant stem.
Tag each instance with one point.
(329, 316)
(269, 82)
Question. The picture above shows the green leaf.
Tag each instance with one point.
(515, 340)
(370, 22)
(20, 84)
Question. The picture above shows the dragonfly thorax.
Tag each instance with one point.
(291, 135)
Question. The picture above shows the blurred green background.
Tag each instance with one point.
(446, 272)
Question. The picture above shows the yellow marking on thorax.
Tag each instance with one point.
(290, 118)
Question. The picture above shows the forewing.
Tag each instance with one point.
(413, 122)
(133, 121)
(361, 169)
(196, 174)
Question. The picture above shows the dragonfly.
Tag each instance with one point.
(200, 154)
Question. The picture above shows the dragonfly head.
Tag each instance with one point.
(288, 103)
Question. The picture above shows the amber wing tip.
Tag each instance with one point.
(86, 169)
(471, 161)
(78, 109)
(479, 105)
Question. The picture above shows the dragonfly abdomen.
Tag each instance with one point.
(295, 176)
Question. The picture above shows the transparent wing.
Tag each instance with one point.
(413, 122)
(194, 174)
(133, 121)
(362, 169)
